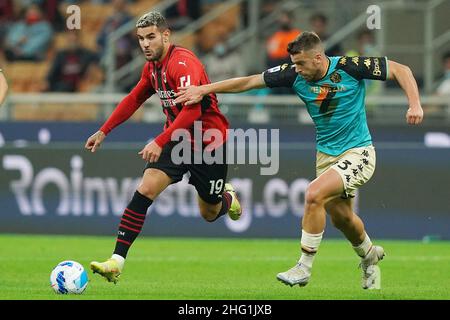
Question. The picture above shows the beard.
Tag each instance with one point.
(157, 54)
(315, 76)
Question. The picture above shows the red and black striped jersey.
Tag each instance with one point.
(180, 67)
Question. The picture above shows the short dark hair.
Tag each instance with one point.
(304, 42)
(152, 18)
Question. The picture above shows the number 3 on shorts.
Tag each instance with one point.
(216, 186)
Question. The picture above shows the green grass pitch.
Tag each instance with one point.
(232, 269)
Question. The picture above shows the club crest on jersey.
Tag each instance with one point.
(335, 77)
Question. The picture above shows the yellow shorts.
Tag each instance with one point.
(355, 166)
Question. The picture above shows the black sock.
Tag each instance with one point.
(131, 223)
(226, 204)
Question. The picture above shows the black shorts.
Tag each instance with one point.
(208, 179)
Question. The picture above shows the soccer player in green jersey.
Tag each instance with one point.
(333, 90)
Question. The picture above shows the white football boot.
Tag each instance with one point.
(371, 277)
(298, 274)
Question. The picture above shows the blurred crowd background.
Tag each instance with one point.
(39, 54)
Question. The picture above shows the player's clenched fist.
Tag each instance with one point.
(94, 141)
(151, 152)
(414, 115)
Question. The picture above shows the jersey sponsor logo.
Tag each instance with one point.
(166, 94)
(166, 97)
(326, 89)
(168, 103)
(185, 81)
(376, 67)
(367, 63)
(335, 77)
(355, 60)
(343, 60)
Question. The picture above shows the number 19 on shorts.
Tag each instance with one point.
(216, 186)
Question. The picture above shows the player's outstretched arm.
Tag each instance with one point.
(194, 94)
(405, 78)
(3, 87)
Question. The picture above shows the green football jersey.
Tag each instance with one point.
(335, 102)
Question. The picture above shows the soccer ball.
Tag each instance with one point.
(69, 277)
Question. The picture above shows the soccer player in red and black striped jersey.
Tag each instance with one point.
(167, 68)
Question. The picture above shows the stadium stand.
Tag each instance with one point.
(202, 39)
